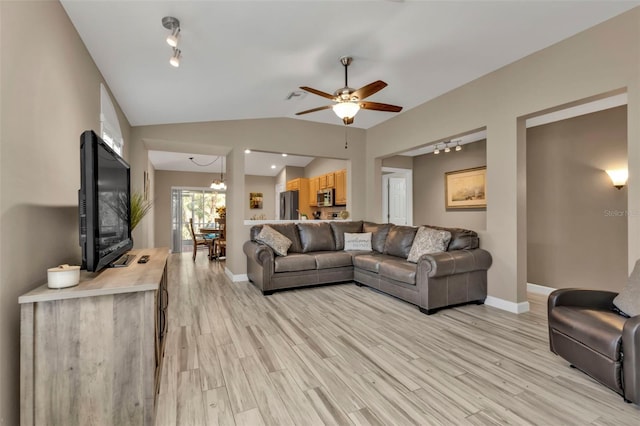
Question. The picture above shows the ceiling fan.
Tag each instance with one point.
(349, 101)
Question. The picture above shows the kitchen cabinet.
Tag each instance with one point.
(314, 186)
(293, 185)
(331, 180)
(302, 186)
(340, 187)
(326, 181)
(322, 182)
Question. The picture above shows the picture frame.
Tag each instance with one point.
(466, 189)
(255, 200)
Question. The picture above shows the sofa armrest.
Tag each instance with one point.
(631, 361)
(260, 253)
(597, 299)
(455, 262)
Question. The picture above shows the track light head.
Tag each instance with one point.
(458, 147)
(172, 39)
(446, 147)
(436, 151)
(175, 59)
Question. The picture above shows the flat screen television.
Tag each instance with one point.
(103, 204)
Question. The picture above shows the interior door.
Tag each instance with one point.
(397, 196)
(398, 200)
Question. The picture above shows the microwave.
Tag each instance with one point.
(325, 198)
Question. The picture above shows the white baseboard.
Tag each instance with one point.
(539, 289)
(505, 305)
(235, 278)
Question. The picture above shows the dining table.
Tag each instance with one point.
(217, 234)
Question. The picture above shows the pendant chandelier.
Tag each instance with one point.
(218, 184)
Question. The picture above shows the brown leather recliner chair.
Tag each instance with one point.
(585, 330)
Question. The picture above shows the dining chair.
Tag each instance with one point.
(220, 243)
(200, 240)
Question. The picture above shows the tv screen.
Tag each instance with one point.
(104, 204)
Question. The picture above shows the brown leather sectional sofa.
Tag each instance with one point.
(317, 256)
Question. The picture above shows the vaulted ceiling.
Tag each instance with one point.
(242, 59)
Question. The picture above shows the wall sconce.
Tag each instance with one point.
(618, 177)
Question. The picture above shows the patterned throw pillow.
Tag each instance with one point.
(278, 242)
(428, 240)
(357, 241)
(628, 300)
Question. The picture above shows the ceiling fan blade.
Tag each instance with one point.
(318, 92)
(369, 89)
(380, 107)
(314, 109)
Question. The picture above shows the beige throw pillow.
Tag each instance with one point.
(428, 240)
(357, 241)
(628, 300)
(278, 242)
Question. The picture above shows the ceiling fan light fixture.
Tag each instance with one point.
(346, 109)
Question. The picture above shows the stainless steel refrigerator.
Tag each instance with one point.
(289, 205)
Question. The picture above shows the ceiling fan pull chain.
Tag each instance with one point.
(346, 142)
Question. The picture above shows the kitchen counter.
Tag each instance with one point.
(267, 221)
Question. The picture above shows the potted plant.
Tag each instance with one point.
(139, 208)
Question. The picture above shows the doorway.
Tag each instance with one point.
(204, 205)
(397, 196)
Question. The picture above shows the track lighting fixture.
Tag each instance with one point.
(436, 151)
(458, 147)
(175, 59)
(171, 23)
(446, 147)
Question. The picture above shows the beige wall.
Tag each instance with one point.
(398, 162)
(599, 61)
(275, 135)
(428, 187)
(164, 181)
(50, 95)
(320, 166)
(266, 185)
(575, 237)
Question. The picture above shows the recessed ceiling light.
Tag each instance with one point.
(247, 151)
(273, 166)
(284, 155)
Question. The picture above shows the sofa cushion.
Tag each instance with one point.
(357, 241)
(628, 300)
(332, 259)
(399, 270)
(339, 228)
(278, 242)
(289, 230)
(368, 262)
(597, 329)
(461, 239)
(428, 240)
(316, 237)
(379, 232)
(399, 241)
(294, 262)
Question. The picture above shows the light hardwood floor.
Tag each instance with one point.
(345, 355)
